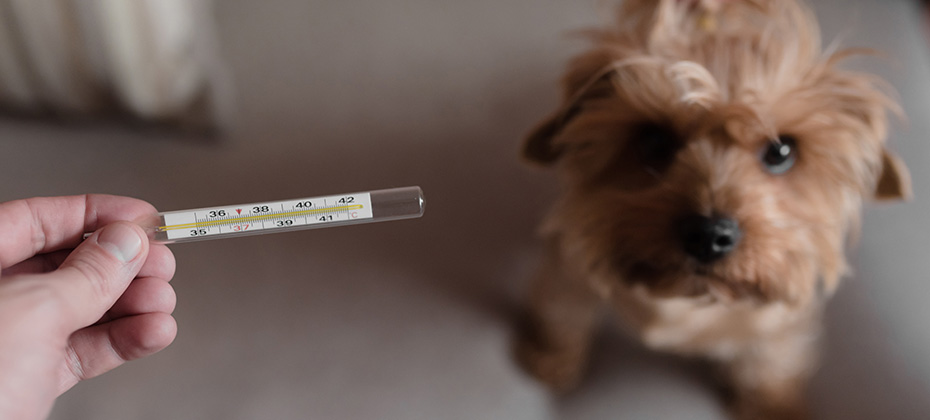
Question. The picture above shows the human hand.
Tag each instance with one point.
(72, 310)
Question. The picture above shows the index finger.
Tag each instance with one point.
(46, 224)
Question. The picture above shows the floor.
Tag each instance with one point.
(413, 319)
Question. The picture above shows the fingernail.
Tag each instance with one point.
(121, 241)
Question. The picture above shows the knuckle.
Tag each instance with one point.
(161, 262)
(75, 363)
(170, 299)
(170, 263)
(38, 232)
(118, 345)
(96, 275)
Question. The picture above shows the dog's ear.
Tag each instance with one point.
(538, 146)
(894, 183)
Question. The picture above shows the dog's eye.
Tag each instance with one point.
(657, 144)
(780, 155)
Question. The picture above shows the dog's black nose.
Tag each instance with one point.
(709, 238)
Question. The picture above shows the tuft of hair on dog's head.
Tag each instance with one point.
(736, 75)
(772, 47)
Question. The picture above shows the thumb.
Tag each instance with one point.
(98, 271)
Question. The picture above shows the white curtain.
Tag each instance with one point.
(155, 59)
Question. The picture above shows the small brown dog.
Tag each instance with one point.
(714, 161)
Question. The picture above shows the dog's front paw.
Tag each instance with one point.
(560, 370)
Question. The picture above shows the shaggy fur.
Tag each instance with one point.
(667, 116)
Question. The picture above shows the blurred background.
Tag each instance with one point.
(194, 103)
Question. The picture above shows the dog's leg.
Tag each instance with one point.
(563, 311)
(769, 378)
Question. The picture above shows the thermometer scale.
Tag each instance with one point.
(285, 215)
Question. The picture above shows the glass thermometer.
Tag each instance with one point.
(281, 216)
